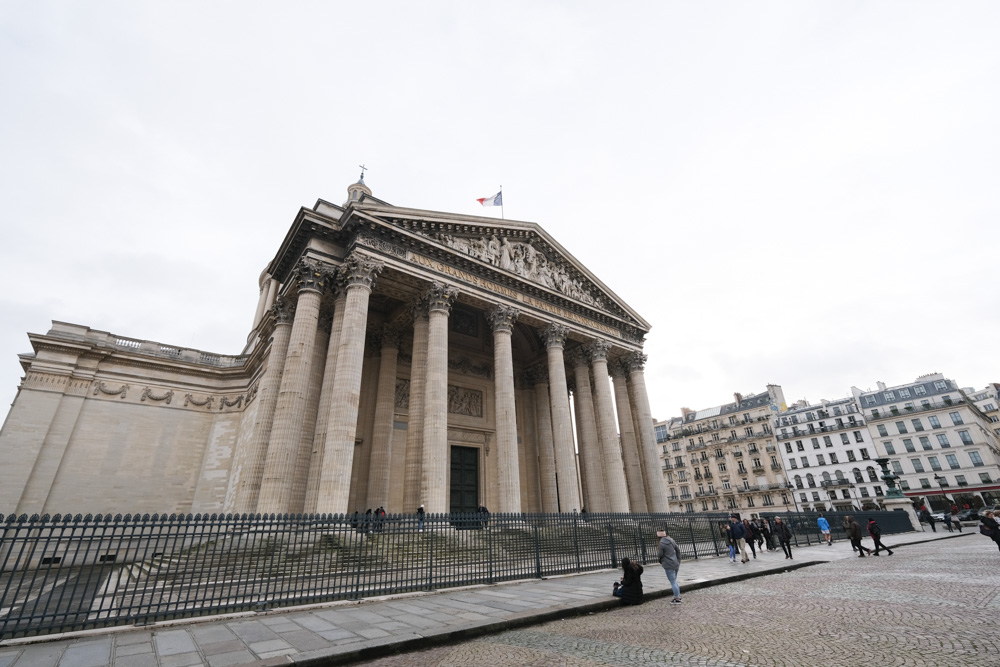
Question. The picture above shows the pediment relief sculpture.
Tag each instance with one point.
(524, 260)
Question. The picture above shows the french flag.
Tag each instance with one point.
(495, 200)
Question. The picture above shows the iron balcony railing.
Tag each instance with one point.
(66, 573)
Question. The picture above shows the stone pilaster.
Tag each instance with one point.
(412, 494)
(655, 487)
(562, 432)
(626, 430)
(326, 391)
(250, 462)
(289, 414)
(614, 469)
(434, 473)
(591, 464)
(358, 276)
(546, 453)
(502, 320)
(380, 463)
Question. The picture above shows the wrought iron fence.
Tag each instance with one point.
(67, 572)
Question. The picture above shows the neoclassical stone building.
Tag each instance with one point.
(398, 357)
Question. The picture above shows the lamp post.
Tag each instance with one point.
(942, 482)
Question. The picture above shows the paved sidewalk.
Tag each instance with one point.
(349, 631)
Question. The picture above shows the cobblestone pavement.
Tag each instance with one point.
(929, 604)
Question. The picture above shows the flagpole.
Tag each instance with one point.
(501, 202)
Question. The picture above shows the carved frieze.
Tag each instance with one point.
(375, 243)
(189, 399)
(102, 388)
(466, 366)
(526, 261)
(226, 402)
(465, 402)
(147, 393)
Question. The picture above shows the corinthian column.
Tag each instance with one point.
(440, 297)
(250, 466)
(614, 470)
(502, 320)
(325, 395)
(655, 487)
(289, 414)
(412, 494)
(626, 429)
(358, 274)
(592, 467)
(546, 453)
(562, 432)
(381, 456)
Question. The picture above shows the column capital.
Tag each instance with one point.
(283, 310)
(441, 297)
(618, 368)
(360, 269)
(636, 361)
(502, 318)
(310, 275)
(577, 357)
(417, 308)
(554, 335)
(389, 336)
(598, 349)
(536, 375)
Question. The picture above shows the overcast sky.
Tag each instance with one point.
(799, 193)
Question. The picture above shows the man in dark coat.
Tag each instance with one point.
(854, 531)
(784, 535)
(739, 534)
(876, 535)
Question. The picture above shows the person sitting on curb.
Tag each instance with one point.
(630, 588)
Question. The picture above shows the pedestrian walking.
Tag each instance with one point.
(847, 529)
(876, 534)
(854, 531)
(824, 529)
(669, 555)
(368, 520)
(630, 588)
(929, 518)
(990, 527)
(954, 517)
(420, 519)
(727, 535)
(751, 537)
(768, 531)
(784, 535)
(947, 522)
(739, 537)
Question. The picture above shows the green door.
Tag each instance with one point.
(464, 479)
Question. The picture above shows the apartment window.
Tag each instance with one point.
(833, 457)
(858, 437)
(715, 504)
(815, 496)
(908, 444)
(960, 480)
(701, 440)
(722, 466)
(746, 484)
(845, 494)
(748, 430)
(888, 396)
(989, 407)
(935, 422)
(691, 441)
(904, 393)
(901, 427)
(844, 439)
(956, 419)
(965, 437)
(682, 476)
(832, 493)
(715, 437)
(850, 455)
(826, 441)
(676, 446)
(726, 485)
(870, 400)
(805, 461)
(935, 464)
(984, 477)
(774, 461)
(943, 440)
(904, 485)
(810, 481)
(857, 476)
(718, 453)
(940, 385)
(889, 449)
(864, 491)
(741, 468)
(897, 467)
(878, 490)
(925, 442)
(704, 506)
(976, 459)
(746, 416)
(793, 463)
(815, 443)
(715, 423)
(918, 466)
(917, 424)
(819, 460)
(732, 421)
(952, 461)
(864, 453)
(810, 416)
(882, 431)
(679, 461)
(788, 448)
(752, 448)
(919, 390)
(799, 446)
(925, 483)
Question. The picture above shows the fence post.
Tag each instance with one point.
(538, 554)
(642, 542)
(611, 543)
(489, 550)
(694, 544)
(576, 541)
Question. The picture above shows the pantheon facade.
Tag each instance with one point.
(398, 357)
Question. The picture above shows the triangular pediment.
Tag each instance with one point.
(521, 249)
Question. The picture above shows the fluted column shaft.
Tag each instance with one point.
(250, 467)
(591, 464)
(358, 273)
(502, 319)
(562, 430)
(655, 487)
(380, 463)
(546, 452)
(614, 469)
(435, 446)
(412, 494)
(325, 396)
(630, 452)
(289, 414)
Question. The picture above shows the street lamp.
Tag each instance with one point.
(942, 482)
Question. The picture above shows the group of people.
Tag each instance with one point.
(629, 588)
(757, 533)
(371, 522)
(853, 531)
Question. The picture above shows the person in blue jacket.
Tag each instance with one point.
(739, 534)
(824, 528)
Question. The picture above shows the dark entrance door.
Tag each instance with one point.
(464, 479)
